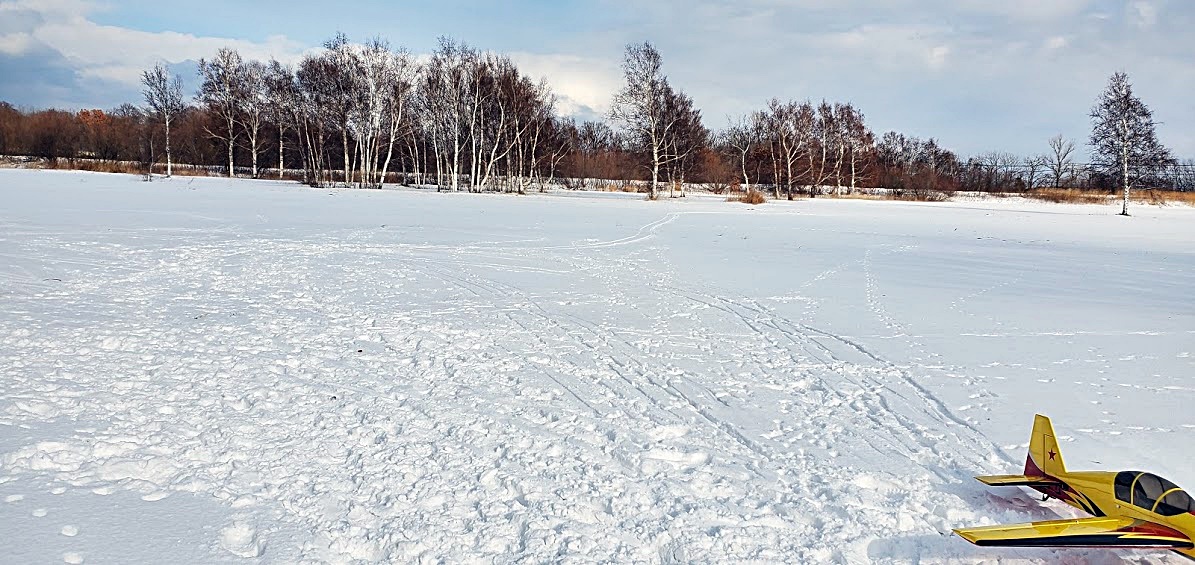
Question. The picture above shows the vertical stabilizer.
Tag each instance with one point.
(1044, 456)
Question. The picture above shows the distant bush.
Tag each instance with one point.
(920, 195)
(752, 196)
(618, 186)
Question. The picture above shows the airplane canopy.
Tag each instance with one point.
(1153, 493)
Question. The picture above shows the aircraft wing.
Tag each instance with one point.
(1107, 532)
(1017, 480)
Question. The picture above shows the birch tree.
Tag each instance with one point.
(639, 106)
(789, 128)
(741, 138)
(821, 132)
(317, 94)
(402, 76)
(688, 136)
(222, 93)
(860, 142)
(1124, 140)
(164, 97)
(283, 98)
(447, 86)
(340, 75)
(374, 72)
(254, 107)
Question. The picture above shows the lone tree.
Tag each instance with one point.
(1123, 136)
(164, 96)
(1058, 160)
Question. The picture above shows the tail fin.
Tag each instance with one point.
(1044, 456)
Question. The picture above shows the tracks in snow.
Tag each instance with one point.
(407, 403)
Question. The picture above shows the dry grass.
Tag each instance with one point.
(1068, 196)
(1079, 196)
(1163, 197)
(618, 186)
(915, 195)
(185, 171)
(752, 196)
(123, 167)
(860, 196)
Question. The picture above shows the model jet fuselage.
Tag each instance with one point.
(1130, 509)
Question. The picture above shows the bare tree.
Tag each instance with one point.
(997, 167)
(860, 142)
(1123, 136)
(164, 96)
(446, 91)
(283, 98)
(1034, 165)
(403, 73)
(222, 93)
(340, 93)
(821, 132)
(847, 136)
(1059, 159)
(688, 137)
(378, 71)
(254, 106)
(596, 151)
(741, 138)
(640, 106)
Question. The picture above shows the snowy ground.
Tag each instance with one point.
(196, 370)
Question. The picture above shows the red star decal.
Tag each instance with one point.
(1052, 454)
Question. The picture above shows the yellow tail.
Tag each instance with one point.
(1044, 455)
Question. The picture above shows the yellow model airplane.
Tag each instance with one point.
(1131, 509)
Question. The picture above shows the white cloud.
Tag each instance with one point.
(120, 54)
(16, 44)
(584, 84)
(1144, 14)
(938, 56)
(1026, 10)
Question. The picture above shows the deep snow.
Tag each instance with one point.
(204, 370)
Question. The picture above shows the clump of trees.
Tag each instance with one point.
(661, 123)
(355, 112)
(366, 114)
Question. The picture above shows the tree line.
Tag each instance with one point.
(365, 114)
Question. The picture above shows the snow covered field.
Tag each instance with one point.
(198, 370)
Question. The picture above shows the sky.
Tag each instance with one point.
(978, 75)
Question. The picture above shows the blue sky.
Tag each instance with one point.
(977, 74)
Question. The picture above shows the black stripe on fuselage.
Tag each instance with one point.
(1091, 540)
(1091, 507)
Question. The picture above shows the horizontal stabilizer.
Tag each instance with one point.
(1085, 532)
(1017, 480)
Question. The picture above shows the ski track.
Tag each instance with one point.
(411, 403)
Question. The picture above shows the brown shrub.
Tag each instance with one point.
(919, 195)
(752, 196)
